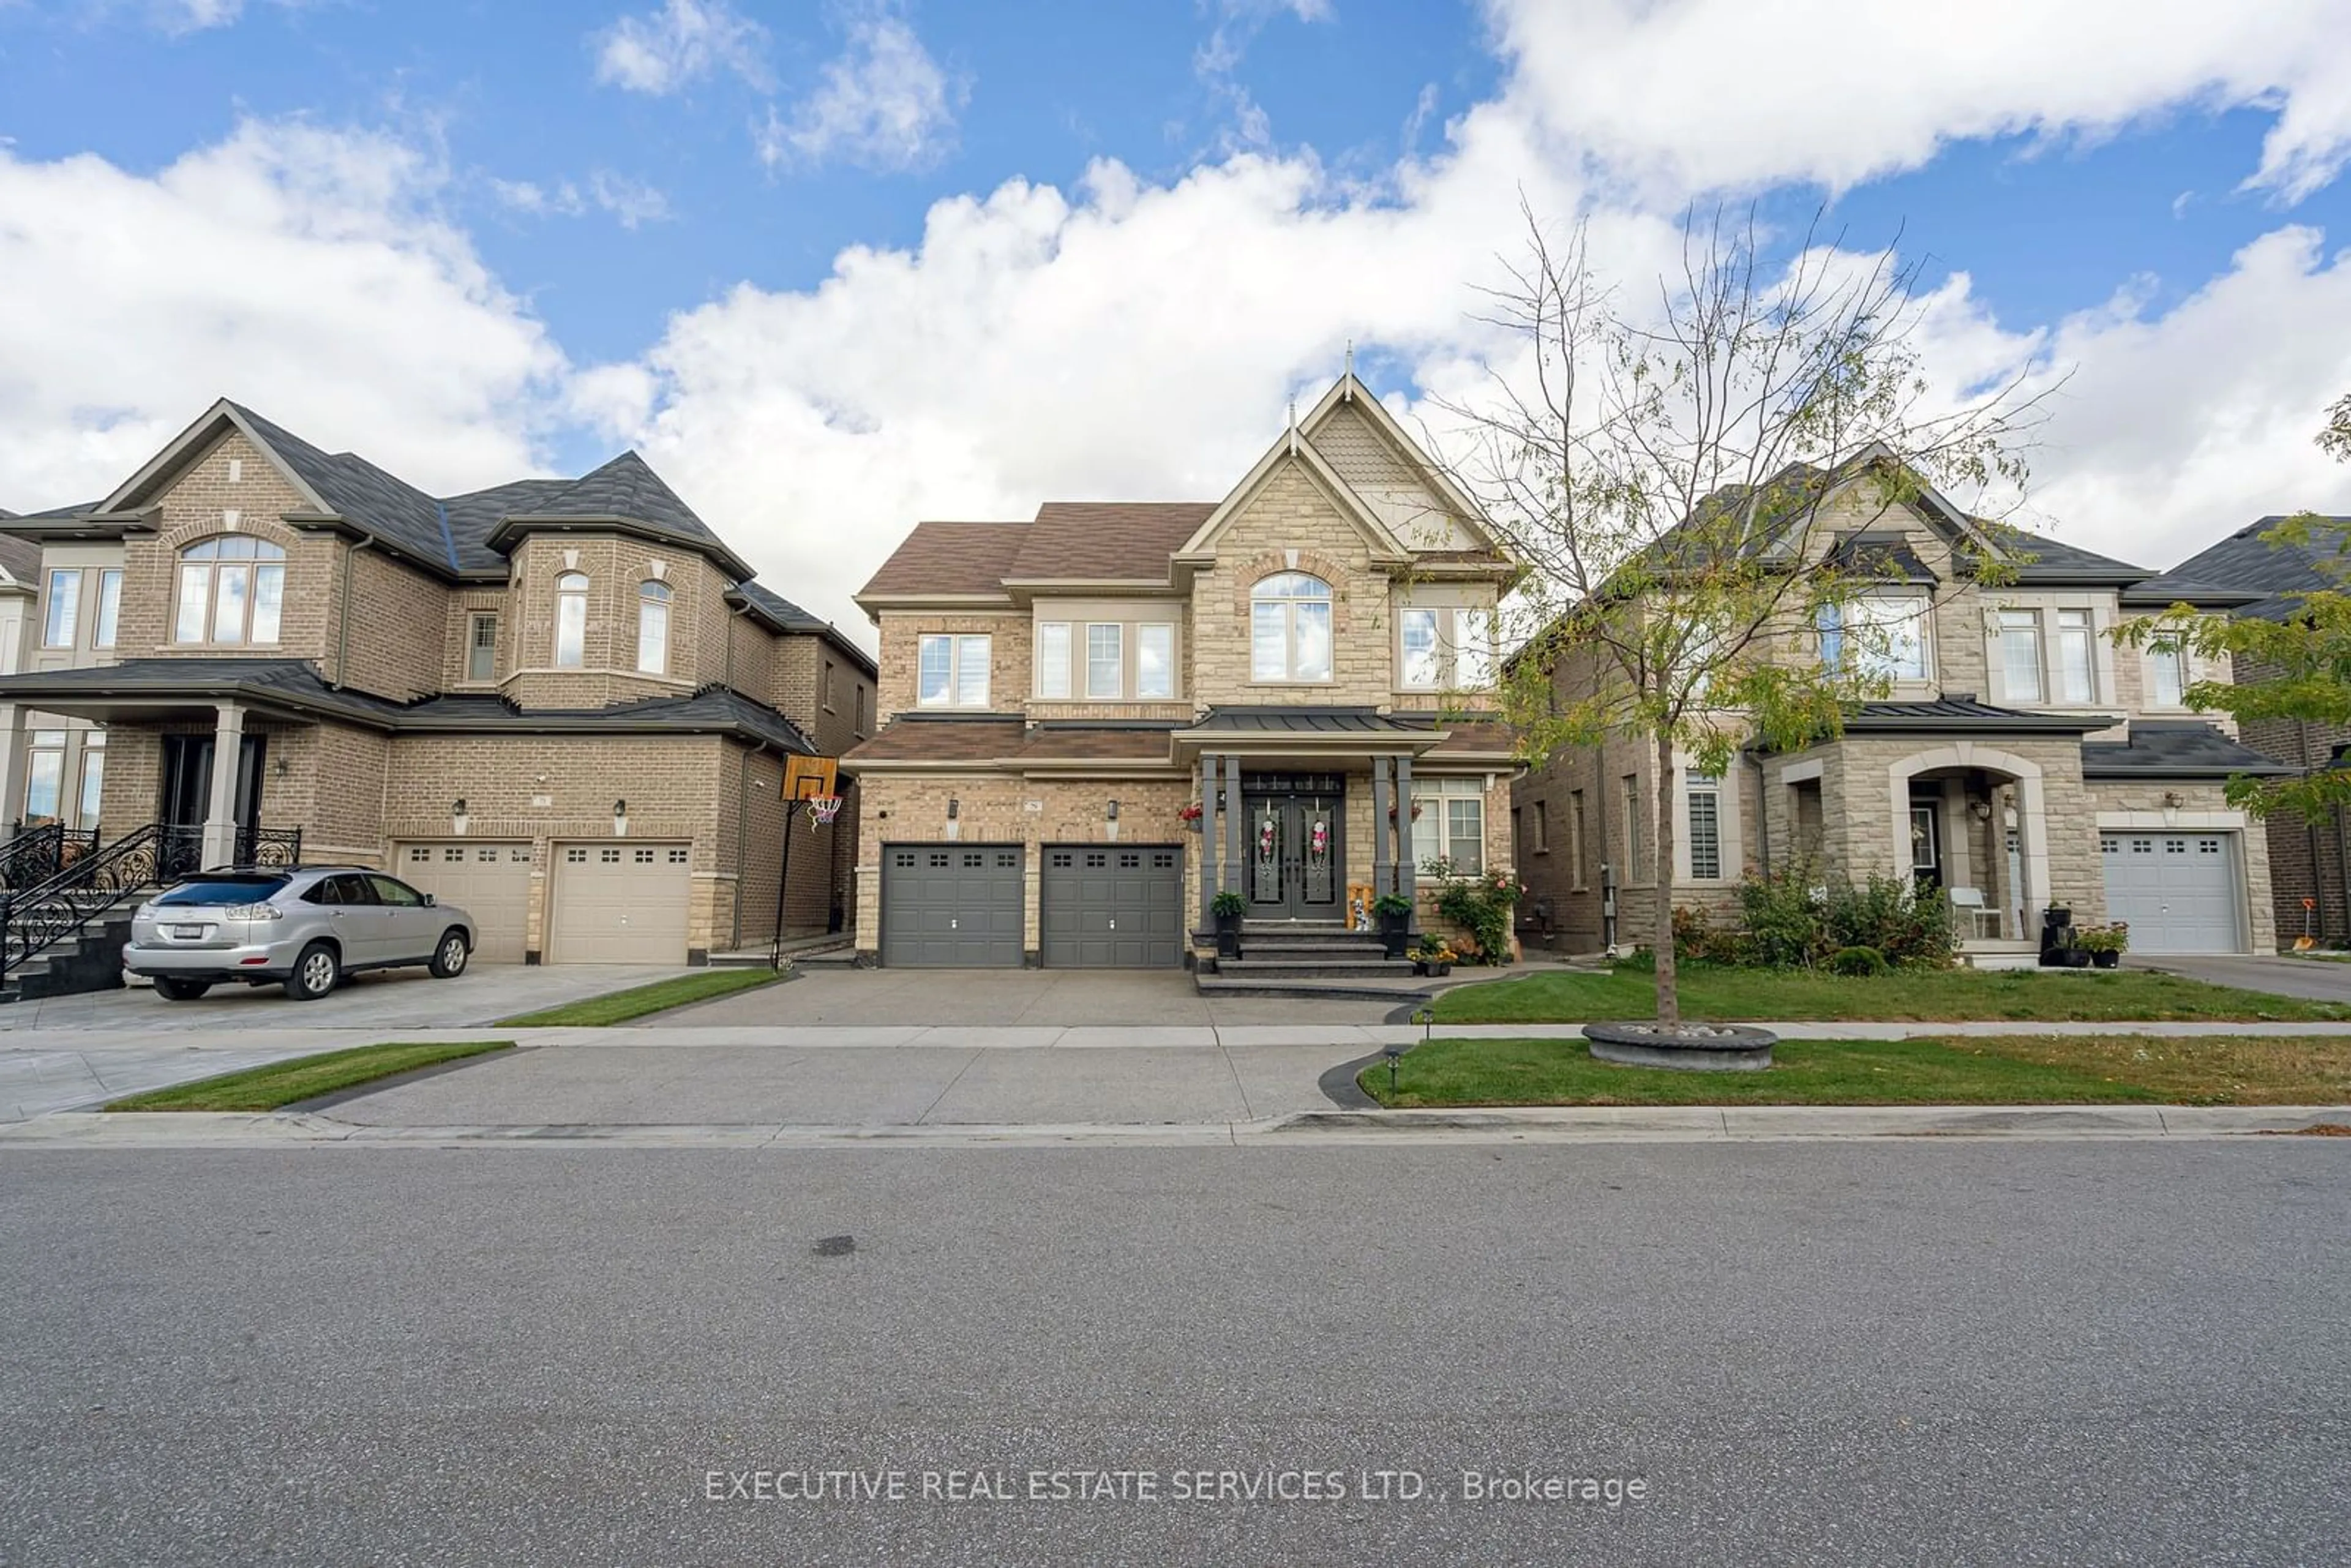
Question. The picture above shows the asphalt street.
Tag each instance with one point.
(1916, 1352)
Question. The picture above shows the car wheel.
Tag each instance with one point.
(314, 974)
(449, 958)
(173, 990)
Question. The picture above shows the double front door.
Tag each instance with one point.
(1295, 868)
(188, 780)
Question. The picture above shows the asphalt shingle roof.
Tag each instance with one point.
(366, 496)
(20, 555)
(950, 558)
(2174, 749)
(927, 737)
(1126, 541)
(2246, 560)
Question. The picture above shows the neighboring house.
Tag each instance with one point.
(53, 766)
(2021, 759)
(561, 703)
(2307, 860)
(1291, 659)
(20, 587)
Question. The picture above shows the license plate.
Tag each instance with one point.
(187, 933)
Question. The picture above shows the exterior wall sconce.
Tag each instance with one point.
(955, 812)
(620, 818)
(457, 819)
(1113, 819)
(1981, 809)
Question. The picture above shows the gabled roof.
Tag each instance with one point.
(785, 616)
(20, 557)
(960, 559)
(2246, 560)
(1292, 447)
(364, 495)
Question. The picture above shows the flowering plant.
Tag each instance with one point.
(1190, 813)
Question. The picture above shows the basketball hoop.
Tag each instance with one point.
(823, 809)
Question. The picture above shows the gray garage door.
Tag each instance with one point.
(1107, 907)
(951, 906)
(2177, 891)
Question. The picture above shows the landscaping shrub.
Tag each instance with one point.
(1859, 961)
(1798, 919)
(1481, 904)
(1697, 940)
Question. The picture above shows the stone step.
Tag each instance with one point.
(1303, 952)
(1310, 968)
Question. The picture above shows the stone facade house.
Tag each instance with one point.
(563, 704)
(2310, 862)
(2021, 759)
(1098, 718)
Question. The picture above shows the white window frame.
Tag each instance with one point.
(1629, 788)
(2167, 652)
(1102, 635)
(1289, 606)
(1432, 830)
(1053, 661)
(1459, 656)
(2019, 618)
(45, 753)
(1886, 615)
(1163, 634)
(2065, 624)
(93, 776)
(108, 619)
(571, 620)
(474, 622)
(207, 563)
(653, 627)
(61, 608)
(966, 654)
(1696, 787)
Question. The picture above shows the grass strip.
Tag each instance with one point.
(2015, 1070)
(282, 1083)
(637, 1001)
(1929, 996)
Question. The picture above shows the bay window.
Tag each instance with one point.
(1105, 661)
(653, 628)
(109, 608)
(572, 621)
(1450, 824)
(952, 670)
(231, 590)
(1289, 628)
(1154, 659)
(93, 775)
(45, 775)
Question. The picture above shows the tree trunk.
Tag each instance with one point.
(1661, 866)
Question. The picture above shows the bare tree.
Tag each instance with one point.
(1681, 482)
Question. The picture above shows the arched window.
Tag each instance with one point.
(1289, 628)
(232, 589)
(653, 628)
(570, 620)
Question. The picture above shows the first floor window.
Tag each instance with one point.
(1053, 658)
(1705, 792)
(951, 671)
(232, 589)
(93, 775)
(1542, 827)
(1576, 837)
(63, 609)
(1154, 659)
(1105, 662)
(2020, 655)
(1452, 824)
(2076, 680)
(45, 775)
(572, 621)
(653, 630)
(859, 694)
(2170, 664)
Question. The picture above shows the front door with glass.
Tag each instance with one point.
(1296, 869)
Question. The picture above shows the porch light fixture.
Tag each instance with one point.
(955, 827)
(620, 818)
(1982, 809)
(1112, 831)
(1114, 810)
(457, 819)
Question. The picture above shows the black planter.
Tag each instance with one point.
(1228, 936)
(2106, 960)
(2066, 959)
(1394, 931)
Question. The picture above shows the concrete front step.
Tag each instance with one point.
(1305, 952)
(1399, 989)
(1285, 968)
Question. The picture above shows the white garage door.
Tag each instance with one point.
(618, 903)
(2177, 891)
(490, 881)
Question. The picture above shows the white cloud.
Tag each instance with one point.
(882, 104)
(680, 44)
(305, 272)
(1691, 95)
(631, 201)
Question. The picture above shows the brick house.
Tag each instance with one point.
(2308, 860)
(1097, 719)
(2022, 759)
(561, 703)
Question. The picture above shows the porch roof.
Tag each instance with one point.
(2175, 748)
(1964, 715)
(1315, 730)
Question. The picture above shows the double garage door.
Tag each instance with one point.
(611, 903)
(1103, 906)
(2179, 891)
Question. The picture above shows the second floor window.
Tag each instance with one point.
(1888, 633)
(1154, 659)
(951, 671)
(1105, 662)
(1289, 628)
(109, 608)
(2020, 655)
(232, 589)
(65, 609)
(2076, 670)
(1444, 649)
(2168, 664)
(482, 648)
(571, 620)
(653, 628)
(1053, 658)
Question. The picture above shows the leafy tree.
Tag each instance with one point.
(1684, 482)
(2304, 653)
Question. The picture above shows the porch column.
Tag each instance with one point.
(1383, 831)
(1212, 866)
(1407, 867)
(12, 742)
(220, 811)
(1232, 820)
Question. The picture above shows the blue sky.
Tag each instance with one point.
(614, 223)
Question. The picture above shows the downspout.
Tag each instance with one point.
(742, 810)
(1762, 812)
(2310, 840)
(343, 613)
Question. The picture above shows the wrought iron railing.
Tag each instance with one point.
(36, 918)
(37, 853)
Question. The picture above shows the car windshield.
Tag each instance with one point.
(222, 890)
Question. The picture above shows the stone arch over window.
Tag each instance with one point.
(231, 590)
(1290, 627)
(570, 620)
(653, 627)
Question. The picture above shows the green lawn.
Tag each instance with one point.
(620, 1007)
(2021, 1069)
(1929, 996)
(305, 1078)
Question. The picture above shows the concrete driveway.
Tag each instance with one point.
(399, 999)
(2310, 980)
(1073, 997)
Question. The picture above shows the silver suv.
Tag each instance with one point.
(303, 926)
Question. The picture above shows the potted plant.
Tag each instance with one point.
(1228, 906)
(1190, 816)
(1433, 957)
(1392, 911)
(2104, 944)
